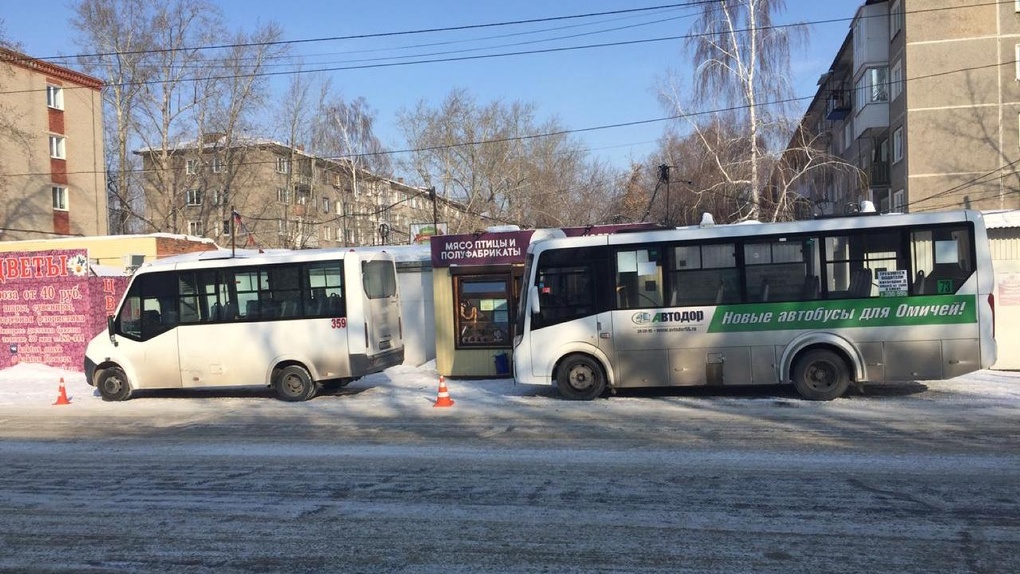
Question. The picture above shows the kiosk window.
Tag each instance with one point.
(482, 311)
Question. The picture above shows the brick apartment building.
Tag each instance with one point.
(52, 170)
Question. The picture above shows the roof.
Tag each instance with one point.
(42, 67)
(1001, 218)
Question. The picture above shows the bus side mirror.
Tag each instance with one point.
(533, 303)
(109, 328)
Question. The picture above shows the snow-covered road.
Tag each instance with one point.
(906, 478)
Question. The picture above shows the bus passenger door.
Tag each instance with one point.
(147, 325)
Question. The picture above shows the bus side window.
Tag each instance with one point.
(639, 279)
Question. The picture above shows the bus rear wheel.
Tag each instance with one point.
(580, 378)
(293, 384)
(821, 375)
(113, 385)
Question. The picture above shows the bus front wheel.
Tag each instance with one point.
(293, 384)
(580, 378)
(113, 385)
(821, 375)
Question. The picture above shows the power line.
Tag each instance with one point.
(390, 34)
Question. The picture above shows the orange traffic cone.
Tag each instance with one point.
(62, 397)
(443, 400)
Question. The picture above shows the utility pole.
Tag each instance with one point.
(435, 211)
(664, 177)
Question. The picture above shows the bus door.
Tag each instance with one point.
(637, 332)
(567, 282)
(212, 336)
(379, 325)
(146, 326)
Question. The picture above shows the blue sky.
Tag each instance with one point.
(582, 88)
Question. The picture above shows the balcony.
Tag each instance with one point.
(878, 174)
(837, 106)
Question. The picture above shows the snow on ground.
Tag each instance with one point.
(402, 388)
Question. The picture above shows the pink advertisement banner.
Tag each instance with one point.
(51, 306)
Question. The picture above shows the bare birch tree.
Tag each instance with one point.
(120, 33)
(742, 64)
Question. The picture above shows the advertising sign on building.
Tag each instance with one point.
(500, 248)
(422, 232)
(51, 305)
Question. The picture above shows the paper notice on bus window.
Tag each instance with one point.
(647, 268)
(892, 283)
(626, 262)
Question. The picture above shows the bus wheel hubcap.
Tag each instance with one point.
(821, 376)
(581, 378)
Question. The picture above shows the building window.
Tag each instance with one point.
(55, 97)
(57, 147)
(848, 134)
(872, 87)
(483, 311)
(220, 197)
(281, 227)
(194, 228)
(896, 80)
(1017, 60)
(193, 197)
(325, 205)
(895, 18)
(282, 165)
(191, 167)
(217, 165)
(225, 227)
(283, 195)
(327, 233)
(897, 145)
(899, 201)
(59, 198)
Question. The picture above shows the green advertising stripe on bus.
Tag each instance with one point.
(881, 312)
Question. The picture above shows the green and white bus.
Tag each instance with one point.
(821, 303)
(294, 321)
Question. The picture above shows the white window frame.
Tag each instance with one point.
(195, 228)
(327, 233)
(895, 18)
(60, 200)
(899, 203)
(1017, 6)
(896, 80)
(191, 166)
(58, 147)
(897, 145)
(217, 165)
(193, 197)
(872, 87)
(55, 96)
(283, 195)
(1017, 59)
(281, 227)
(220, 197)
(282, 165)
(325, 205)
